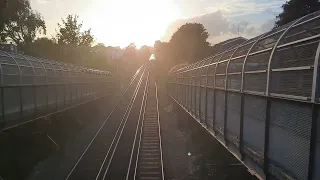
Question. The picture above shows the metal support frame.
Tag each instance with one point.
(313, 140)
(226, 92)
(34, 83)
(315, 80)
(20, 83)
(280, 35)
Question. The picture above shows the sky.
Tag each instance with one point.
(120, 22)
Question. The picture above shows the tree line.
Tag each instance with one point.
(20, 24)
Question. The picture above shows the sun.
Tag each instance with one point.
(120, 22)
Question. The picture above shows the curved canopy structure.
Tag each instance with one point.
(31, 86)
(260, 99)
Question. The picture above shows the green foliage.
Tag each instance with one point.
(187, 45)
(190, 43)
(295, 9)
(20, 23)
(70, 32)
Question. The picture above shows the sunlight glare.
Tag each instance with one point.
(123, 21)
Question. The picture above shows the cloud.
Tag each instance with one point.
(45, 1)
(268, 25)
(222, 28)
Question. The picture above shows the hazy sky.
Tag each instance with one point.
(119, 22)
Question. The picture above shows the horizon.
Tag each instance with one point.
(141, 23)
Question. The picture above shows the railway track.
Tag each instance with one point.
(128, 147)
(94, 156)
(149, 162)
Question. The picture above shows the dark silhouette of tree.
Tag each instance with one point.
(189, 43)
(70, 32)
(295, 9)
(20, 23)
(45, 48)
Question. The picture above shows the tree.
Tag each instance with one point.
(22, 24)
(45, 48)
(295, 9)
(70, 32)
(189, 43)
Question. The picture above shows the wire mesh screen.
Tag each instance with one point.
(210, 107)
(220, 81)
(255, 82)
(236, 65)
(221, 68)
(254, 118)
(203, 104)
(193, 99)
(316, 165)
(197, 100)
(257, 61)
(219, 111)
(28, 98)
(203, 80)
(233, 117)
(302, 31)
(289, 137)
(243, 50)
(234, 81)
(11, 99)
(297, 83)
(295, 56)
(41, 96)
(210, 81)
(267, 42)
(189, 98)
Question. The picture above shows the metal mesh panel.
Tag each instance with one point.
(236, 65)
(227, 55)
(219, 112)
(297, 83)
(28, 99)
(220, 81)
(243, 50)
(11, 79)
(197, 100)
(52, 94)
(254, 117)
(203, 103)
(211, 69)
(189, 97)
(6, 59)
(11, 100)
(255, 82)
(302, 31)
(193, 100)
(10, 69)
(210, 101)
(266, 43)
(233, 117)
(41, 96)
(316, 165)
(216, 58)
(221, 68)
(257, 62)
(234, 81)
(210, 81)
(289, 137)
(203, 80)
(61, 93)
(295, 56)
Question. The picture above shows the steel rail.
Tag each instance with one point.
(141, 116)
(118, 102)
(122, 126)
